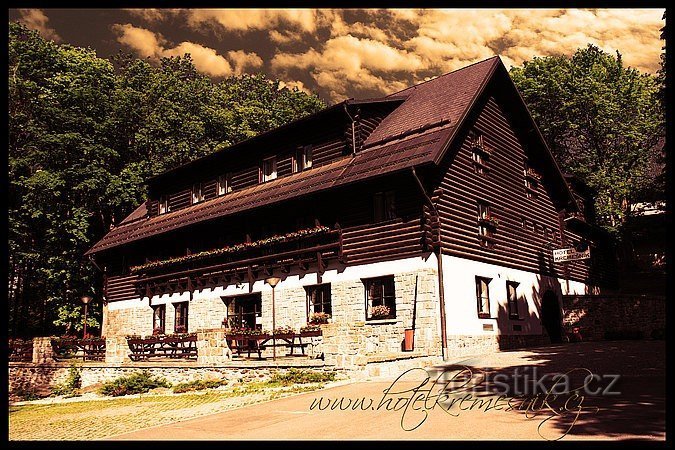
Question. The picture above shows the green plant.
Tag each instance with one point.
(310, 327)
(319, 318)
(72, 383)
(284, 330)
(26, 393)
(297, 376)
(136, 383)
(198, 385)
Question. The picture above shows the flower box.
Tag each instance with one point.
(310, 333)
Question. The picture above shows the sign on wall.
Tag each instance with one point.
(570, 254)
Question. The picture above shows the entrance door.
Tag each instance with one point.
(243, 311)
(551, 316)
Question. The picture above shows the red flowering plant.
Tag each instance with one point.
(380, 311)
(310, 328)
(284, 330)
(319, 318)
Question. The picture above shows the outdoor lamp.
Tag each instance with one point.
(85, 299)
(273, 281)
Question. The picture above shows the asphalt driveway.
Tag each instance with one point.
(610, 390)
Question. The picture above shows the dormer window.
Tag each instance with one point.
(224, 184)
(268, 171)
(197, 193)
(163, 206)
(303, 159)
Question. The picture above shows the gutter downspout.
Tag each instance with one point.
(439, 260)
(353, 130)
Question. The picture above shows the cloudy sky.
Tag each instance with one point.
(352, 53)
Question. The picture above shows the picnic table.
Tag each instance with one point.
(256, 343)
(163, 346)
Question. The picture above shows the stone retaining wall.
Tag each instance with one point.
(592, 318)
(42, 378)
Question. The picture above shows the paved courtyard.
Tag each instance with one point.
(411, 409)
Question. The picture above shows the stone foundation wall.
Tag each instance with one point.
(592, 318)
(470, 345)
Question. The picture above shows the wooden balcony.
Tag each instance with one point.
(248, 262)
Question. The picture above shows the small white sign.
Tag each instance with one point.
(258, 320)
(570, 254)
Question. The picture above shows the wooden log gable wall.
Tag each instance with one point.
(529, 228)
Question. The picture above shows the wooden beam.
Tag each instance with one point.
(249, 274)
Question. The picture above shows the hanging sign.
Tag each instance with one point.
(570, 254)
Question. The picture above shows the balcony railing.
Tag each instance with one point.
(247, 261)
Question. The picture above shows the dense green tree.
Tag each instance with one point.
(84, 135)
(603, 124)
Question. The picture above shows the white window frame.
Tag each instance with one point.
(272, 175)
(163, 204)
(224, 185)
(197, 193)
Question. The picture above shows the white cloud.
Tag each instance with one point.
(153, 45)
(36, 19)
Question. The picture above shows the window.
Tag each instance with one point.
(303, 159)
(483, 296)
(479, 153)
(384, 206)
(181, 322)
(244, 311)
(380, 297)
(269, 169)
(487, 224)
(158, 319)
(197, 193)
(318, 299)
(224, 184)
(532, 178)
(512, 299)
(163, 204)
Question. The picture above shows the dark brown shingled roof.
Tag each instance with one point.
(416, 132)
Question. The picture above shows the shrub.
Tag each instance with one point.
(198, 385)
(136, 383)
(27, 393)
(296, 376)
(72, 383)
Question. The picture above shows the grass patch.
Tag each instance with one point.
(85, 420)
(198, 385)
(297, 376)
(136, 383)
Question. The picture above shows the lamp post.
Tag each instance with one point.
(273, 281)
(85, 299)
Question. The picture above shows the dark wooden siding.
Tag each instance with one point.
(246, 177)
(503, 188)
(333, 147)
(120, 288)
(368, 241)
